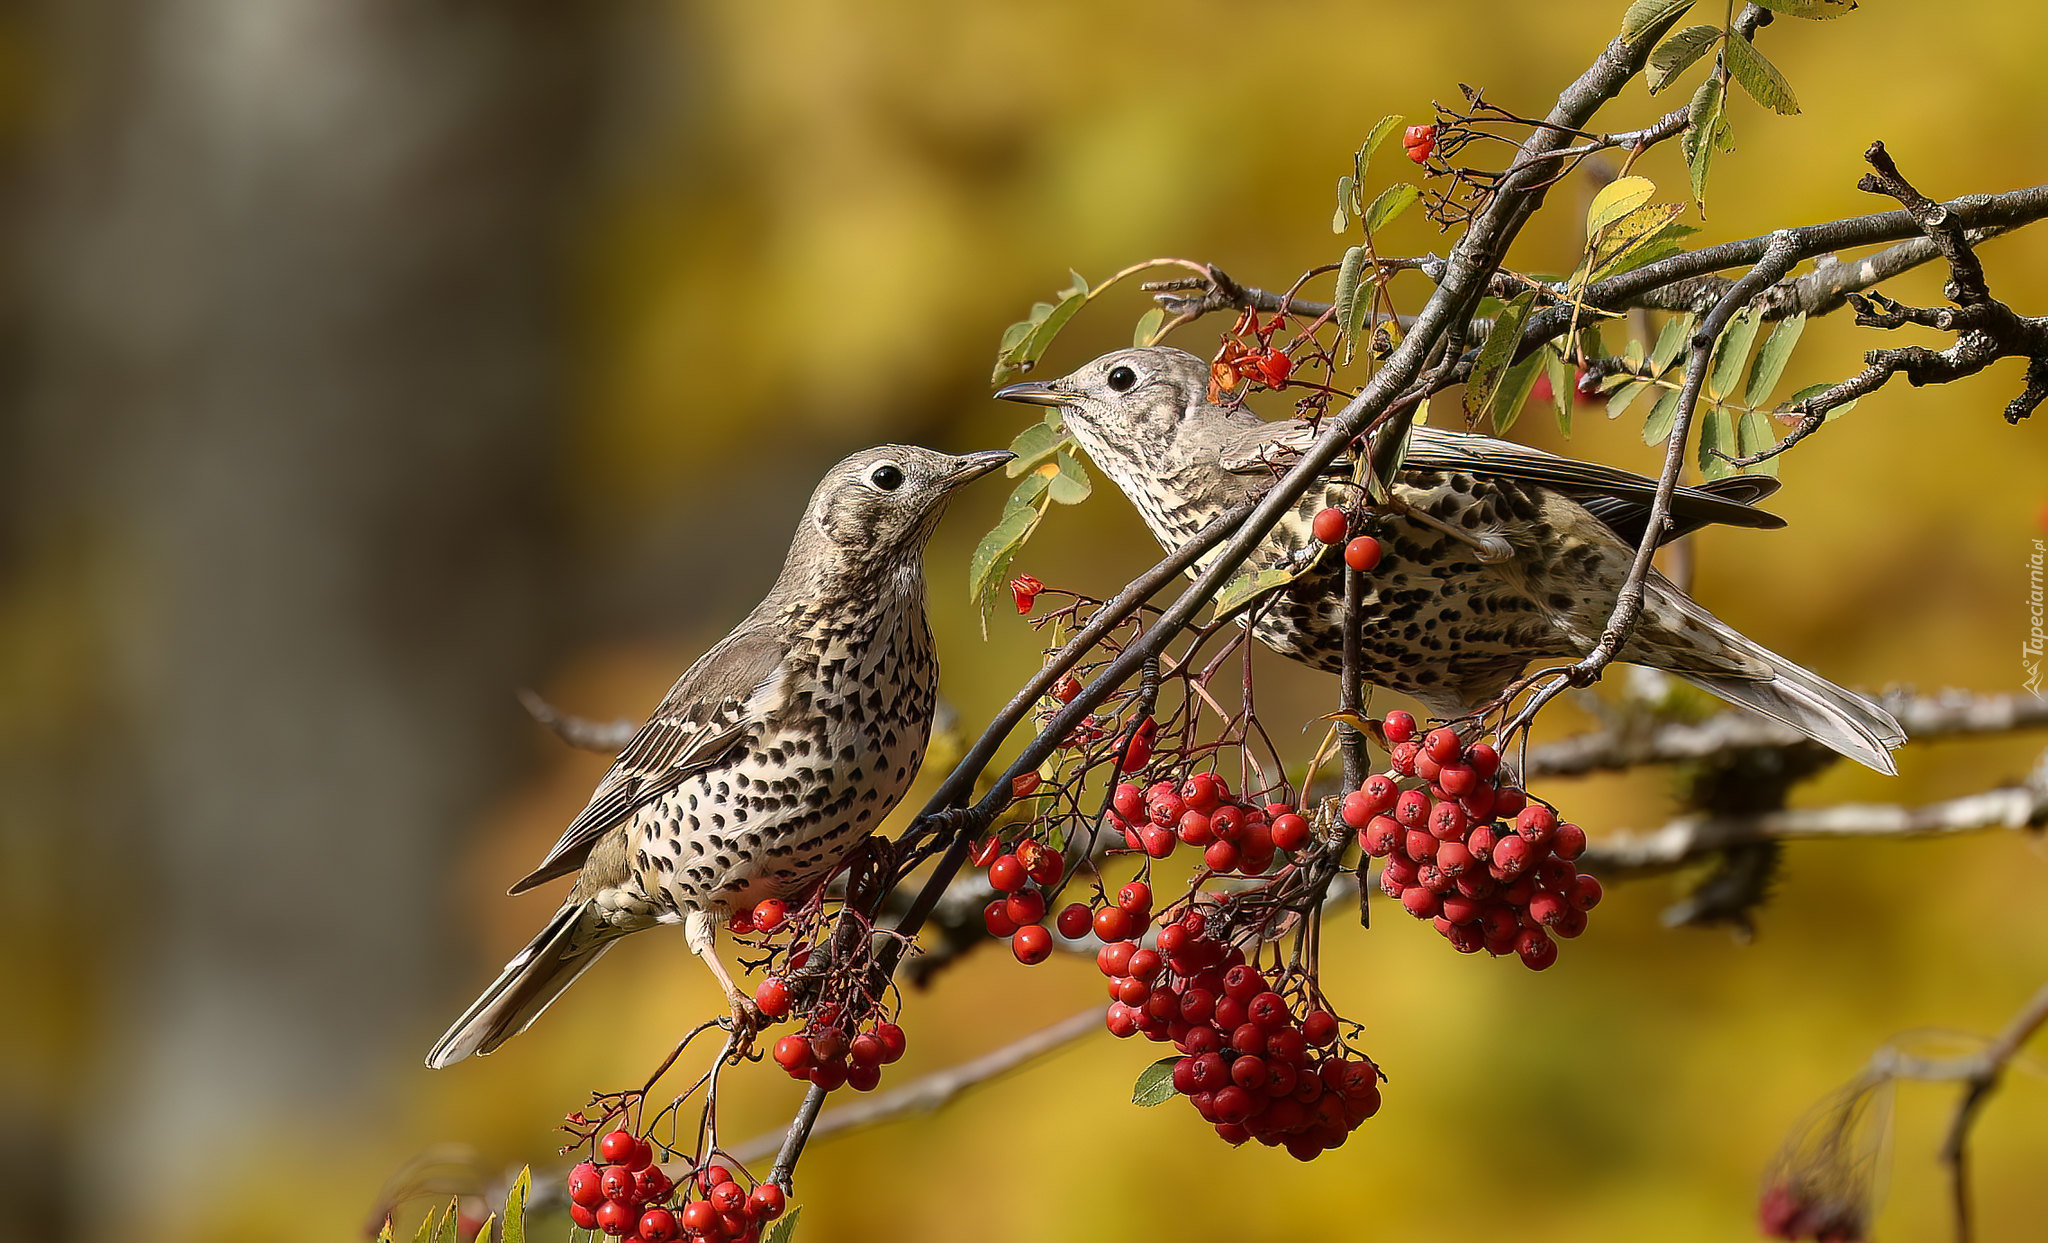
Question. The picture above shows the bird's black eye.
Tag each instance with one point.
(1122, 378)
(887, 477)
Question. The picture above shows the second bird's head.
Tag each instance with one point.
(884, 502)
(1130, 403)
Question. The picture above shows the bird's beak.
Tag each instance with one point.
(972, 466)
(1031, 393)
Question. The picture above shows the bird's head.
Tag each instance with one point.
(1129, 404)
(885, 501)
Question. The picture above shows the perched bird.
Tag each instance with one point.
(1496, 553)
(770, 759)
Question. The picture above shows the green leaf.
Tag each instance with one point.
(1657, 428)
(1646, 15)
(1070, 486)
(1247, 587)
(1077, 285)
(1817, 10)
(515, 1207)
(1563, 388)
(483, 1233)
(1033, 445)
(1771, 360)
(445, 1232)
(385, 1235)
(1717, 431)
(1347, 186)
(1624, 397)
(1753, 435)
(1662, 244)
(1704, 117)
(1514, 392)
(1760, 77)
(426, 1232)
(1155, 1083)
(1147, 331)
(1676, 54)
(1041, 336)
(1617, 199)
(1731, 355)
(1389, 203)
(1347, 299)
(1671, 342)
(991, 559)
(1378, 134)
(1495, 354)
(1643, 227)
(783, 1228)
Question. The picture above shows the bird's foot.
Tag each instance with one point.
(744, 1022)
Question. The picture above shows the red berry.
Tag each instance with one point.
(1203, 791)
(1121, 1020)
(1129, 802)
(1511, 855)
(584, 1185)
(1362, 554)
(1006, 874)
(1447, 822)
(1074, 921)
(658, 1225)
(1032, 945)
(1024, 590)
(1380, 838)
(793, 1054)
(1538, 824)
(772, 997)
(728, 1197)
(1483, 758)
(616, 1219)
(1398, 726)
(1290, 832)
(996, 918)
(1569, 843)
(765, 1201)
(1112, 923)
(1419, 141)
(1135, 897)
(1357, 809)
(585, 1218)
(1114, 959)
(1220, 857)
(740, 923)
(699, 1217)
(893, 1042)
(653, 1185)
(769, 914)
(1547, 907)
(619, 1184)
(1319, 1027)
(1194, 829)
(1458, 780)
(1443, 745)
(1401, 759)
(863, 1077)
(1453, 859)
(1419, 845)
(619, 1148)
(1585, 892)
(1420, 902)
(828, 1075)
(1026, 906)
(1330, 525)
(1268, 1010)
(1156, 842)
(1509, 801)
(1536, 950)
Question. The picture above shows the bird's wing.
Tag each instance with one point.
(1619, 498)
(708, 710)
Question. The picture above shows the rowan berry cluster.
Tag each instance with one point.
(831, 1050)
(1235, 835)
(1252, 1063)
(1468, 851)
(624, 1193)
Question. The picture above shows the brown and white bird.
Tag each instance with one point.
(779, 750)
(1506, 554)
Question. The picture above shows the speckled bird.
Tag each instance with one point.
(1507, 554)
(770, 759)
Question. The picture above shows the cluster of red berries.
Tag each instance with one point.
(1021, 878)
(1249, 1064)
(1469, 851)
(1240, 362)
(1333, 526)
(830, 1051)
(1234, 834)
(764, 917)
(1419, 141)
(624, 1193)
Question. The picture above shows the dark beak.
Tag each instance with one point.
(972, 466)
(1031, 393)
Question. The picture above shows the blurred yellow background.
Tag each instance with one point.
(372, 360)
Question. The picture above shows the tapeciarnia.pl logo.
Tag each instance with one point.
(2030, 650)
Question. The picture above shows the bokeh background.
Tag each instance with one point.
(364, 361)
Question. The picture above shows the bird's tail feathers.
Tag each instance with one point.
(575, 938)
(1759, 679)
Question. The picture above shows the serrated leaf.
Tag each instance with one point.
(445, 1232)
(1717, 431)
(1381, 128)
(1731, 355)
(1389, 203)
(1155, 1083)
(1624, 397)
(1563, 388)
(1753, 435)
(1771, 360)
(783, 1228)
(385, 1235)
(1757, 75)
(1147, 331)
(1495, 355)
(1033, 445)
(1663, 244)
(1644, 16)
(1070, 486)
(515, 1207)
(1657, 428)
(483, 1233)
(1704, 118)
(426, 1232)
(1676, 54)
(1514, 392)
(1347, 299)
(1247, 587)
(1617, 199)
(1816, 10)
(1671, 342)
(991, 558)
(1049, 327)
